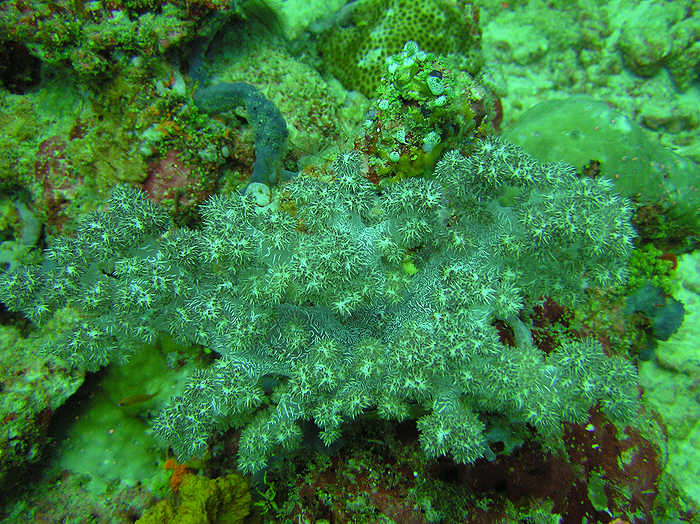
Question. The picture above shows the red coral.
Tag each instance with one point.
(179, 471)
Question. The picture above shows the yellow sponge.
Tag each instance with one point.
(224, 500)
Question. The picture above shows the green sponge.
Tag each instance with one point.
(580, 129)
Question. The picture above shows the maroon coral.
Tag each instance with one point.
(174, 181)
(58, 181)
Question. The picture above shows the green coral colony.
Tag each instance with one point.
(328, 311)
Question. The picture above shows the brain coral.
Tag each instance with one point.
(366, 32)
